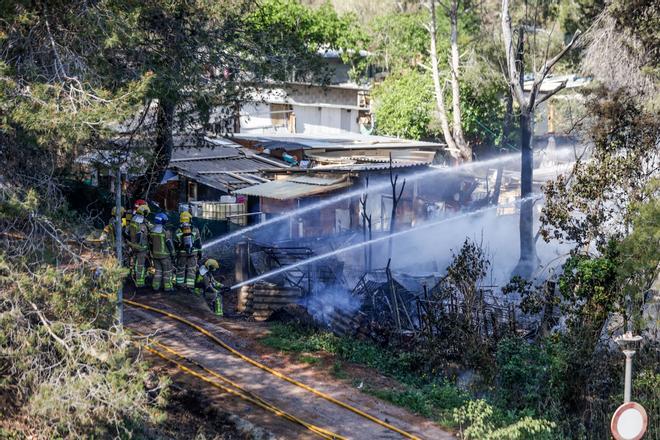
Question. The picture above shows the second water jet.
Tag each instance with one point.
(366, 243)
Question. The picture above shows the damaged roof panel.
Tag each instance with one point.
(369, 166)
(289, 189)
(312, 180)
(201, 153)
(343, 141)
(226, 182)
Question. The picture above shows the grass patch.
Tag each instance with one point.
(434, 401)
(423, 394)
(308, 359)
(400, 365)
(338, 370)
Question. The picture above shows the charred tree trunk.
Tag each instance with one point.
(162, 153)
(527, 103)
(527, 262)
(395, 202)
(366, 228)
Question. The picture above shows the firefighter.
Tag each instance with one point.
(162, 253)
(108, 236)
(138, 242)
(208, 287)
(188, 246)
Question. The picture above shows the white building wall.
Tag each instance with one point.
(317, 110)
(256, 118)
(308, 119)
(330, 121)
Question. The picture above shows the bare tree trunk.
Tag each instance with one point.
(439, 90)
(528, 259)
(458, 148)
(457, 128)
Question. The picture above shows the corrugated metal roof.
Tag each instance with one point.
(232, 164)
(369, 166)
(343, 141)
(201, 153)
(223, 181)
(288, 189)
(377, 156)
(313, 180)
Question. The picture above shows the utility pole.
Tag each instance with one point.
(628, 344)
(118, 242)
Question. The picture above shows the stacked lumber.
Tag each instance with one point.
(343, 323)
(261, 300)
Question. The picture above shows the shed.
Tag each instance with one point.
(290, 192)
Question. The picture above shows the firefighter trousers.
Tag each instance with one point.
(186, 270)
(139, 267)
(163, 275)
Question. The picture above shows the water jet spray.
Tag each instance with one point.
(366, 243)
(379, 186)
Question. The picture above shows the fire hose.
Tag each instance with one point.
(241, 393)
(275, 373)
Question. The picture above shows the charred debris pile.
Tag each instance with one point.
(380, 304)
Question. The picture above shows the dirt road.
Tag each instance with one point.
(291, 398)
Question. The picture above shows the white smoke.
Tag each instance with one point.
(323, 303)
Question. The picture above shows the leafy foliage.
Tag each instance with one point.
(297, 35)
(400, 40)
(404, 105)
(64, 368)
(530, 376)
(639, 254)
(446, 326)
(593, 203)
(482, 113)
(479, 420)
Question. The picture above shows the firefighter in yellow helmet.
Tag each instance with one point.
(188, 245)
(138, 241)
(109, 236)
(208, 287)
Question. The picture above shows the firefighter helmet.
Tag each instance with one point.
(185, 217)
(138, 203)
(122, 211)
(211, 264)
(161, 218)
(143, 210)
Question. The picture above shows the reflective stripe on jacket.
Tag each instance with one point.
(160, 242)
(138, 234)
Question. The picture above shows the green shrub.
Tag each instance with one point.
(63, 364)
(479, 420)
(530, 376)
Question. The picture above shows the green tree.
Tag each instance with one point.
(404, 105)
(293, 36)
(593, 204)
(188, 64)
(399, 41)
